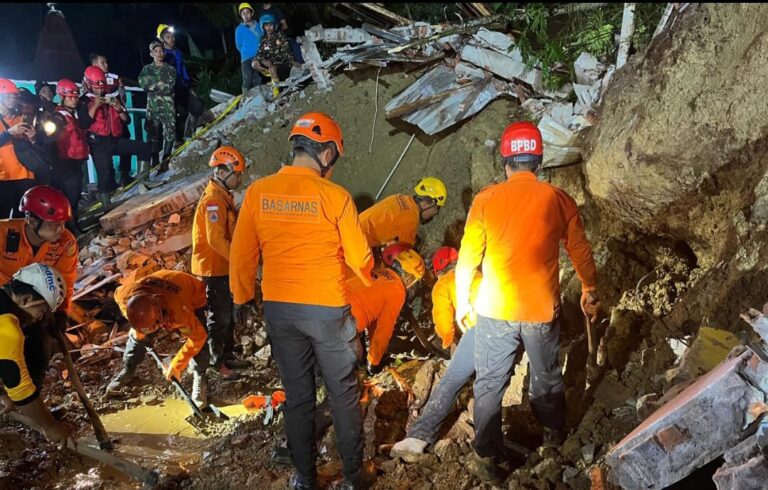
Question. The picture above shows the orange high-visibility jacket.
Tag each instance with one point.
(16, 252)
(10, 166)
(305, 228)
(376, 308)
(183, 294)
(444, 304)
(393, 219)
(212, 231)
(514, 230)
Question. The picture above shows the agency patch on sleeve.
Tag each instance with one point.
(296, 209)
(71, 249)
(213, 212)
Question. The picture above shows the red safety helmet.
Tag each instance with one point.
(94, 77)
(67, 88)
(319, 127)
(7, 87)
(46, 203)
(228, 155)
(144, 313)
(390, 252)
(521, 138)
(443, 257)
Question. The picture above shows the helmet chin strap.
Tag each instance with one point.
(223, 181)
(324, 169)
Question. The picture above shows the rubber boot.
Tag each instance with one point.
(199, 390)
(165, 162)
(123, 378)
(105, 198)
(143, 170)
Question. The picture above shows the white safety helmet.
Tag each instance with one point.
(46, 281)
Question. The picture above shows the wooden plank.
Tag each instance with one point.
(388, 14)
(99, 285)
(387, 36)
(314, 62)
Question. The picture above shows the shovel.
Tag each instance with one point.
(196, 411)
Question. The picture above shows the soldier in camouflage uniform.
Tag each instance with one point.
(158, 79)
(275, 56)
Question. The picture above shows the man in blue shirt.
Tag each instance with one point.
(247, 39)
(187, 102)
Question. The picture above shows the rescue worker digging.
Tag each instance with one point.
(514, 231)
(375, 308)
(174, 301)
(212, 231)
(40, 237)
(35, 291)
(305, 228)
(462, 365)
(397, 218)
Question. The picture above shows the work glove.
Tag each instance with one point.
(590, 304)
(173, 372)
(465, 317)
(243, 312)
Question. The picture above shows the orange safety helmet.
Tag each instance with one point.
(143, 312)
(319, 127)
(8, 87)
(228, 155)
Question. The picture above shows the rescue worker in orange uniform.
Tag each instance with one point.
(462, 365)
(40, 237)
(305, 229)
(513, 231)
(15, 178)
(174, 301)
(397, 218)
(375, 308)
(212, 231)
(35, 291)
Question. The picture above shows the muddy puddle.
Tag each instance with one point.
(156, 437)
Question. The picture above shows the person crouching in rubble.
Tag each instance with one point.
(462, 365)
(34, 292)
(397, 218)
(212, 231)
(169, 300)
(275, 56)
(514, 230)
(375, 308)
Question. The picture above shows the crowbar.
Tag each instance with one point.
(148, 477)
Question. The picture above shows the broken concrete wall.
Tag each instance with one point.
(694, 428)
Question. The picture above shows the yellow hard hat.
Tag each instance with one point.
(409, 264)
(434, 188)
(244, 5)
(161, 28)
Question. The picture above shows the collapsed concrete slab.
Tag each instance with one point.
(697, 426)
(744, 469)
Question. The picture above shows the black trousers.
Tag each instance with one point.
(102, 150)
(304, 335)
(251, 77)
(38, 345)
(68, 178)
(219, 321)
(10, 196)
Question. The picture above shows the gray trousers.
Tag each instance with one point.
(496, 342)
(441, 401)
(304, 335)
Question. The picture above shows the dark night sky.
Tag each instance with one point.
(121, 31)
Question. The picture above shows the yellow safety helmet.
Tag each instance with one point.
(434, 188)
(244, 5)
(162, 28)
(409, 264)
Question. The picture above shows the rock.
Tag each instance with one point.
(550, 470)
(646, 405)
(389, 466)
(611, 392)
(153, 400)
(447, 450)
(588, 452)
(515, 391)
(709, 349)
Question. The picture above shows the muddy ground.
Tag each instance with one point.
(699, 258)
